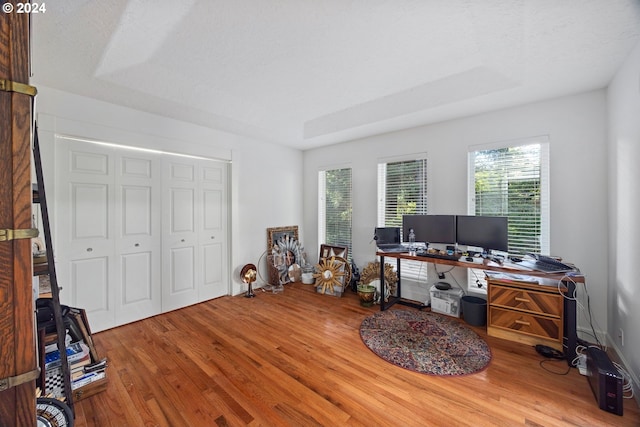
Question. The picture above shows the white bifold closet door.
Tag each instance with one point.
(138, 233)
(194, 232)
(108, 222)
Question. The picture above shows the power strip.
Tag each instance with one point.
(581, 364)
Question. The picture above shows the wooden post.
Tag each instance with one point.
(17, 330)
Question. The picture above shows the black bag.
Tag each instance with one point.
(355, 276)
(44, 314)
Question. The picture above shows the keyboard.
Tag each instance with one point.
(392, 248)
(438, 255)
(547, 264)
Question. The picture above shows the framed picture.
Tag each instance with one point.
(278, 233)
(327, 251)
(278, 265)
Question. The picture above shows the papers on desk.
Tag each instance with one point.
(521, 278)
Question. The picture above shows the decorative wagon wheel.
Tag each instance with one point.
(334, 271)
(52, 412)
(371, 276)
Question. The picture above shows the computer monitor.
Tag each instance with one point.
(386, 235)
(486, 232)
(430, 228)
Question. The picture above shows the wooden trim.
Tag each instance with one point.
(17, 332)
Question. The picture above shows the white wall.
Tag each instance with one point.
(624, 205)
(576, 126)
(266, 179)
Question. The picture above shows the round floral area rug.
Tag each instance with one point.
(425, 342)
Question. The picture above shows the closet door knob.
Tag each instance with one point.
(89, 249)
(136, 245)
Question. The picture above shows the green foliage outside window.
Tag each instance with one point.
(507, 183)
(405, 190)
(338, 207)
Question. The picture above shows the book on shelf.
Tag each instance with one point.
(86, 368)
(80, 319)
(75, 352)
(87, 378)
(78, 365)
(89, 373)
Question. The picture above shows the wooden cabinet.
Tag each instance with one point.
(525, 312)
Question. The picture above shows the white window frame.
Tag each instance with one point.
(476, 278)
(322, 224)
(410, 269)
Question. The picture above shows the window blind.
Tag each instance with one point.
(402, 190)
(334, 207)
(512, 180)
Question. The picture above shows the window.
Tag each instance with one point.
(334, 210)
(402, 190)
(512, 180)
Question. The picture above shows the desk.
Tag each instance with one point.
(570, 337)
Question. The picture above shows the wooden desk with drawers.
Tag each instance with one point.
(518, 309)
(526, 312)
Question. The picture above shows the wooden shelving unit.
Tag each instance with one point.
(53, 318)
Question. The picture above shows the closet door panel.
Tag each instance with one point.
(85, 229)
(182, 211)
(138, 246)
(179, 237)
(212, 204)
(136, 211)
(90, 211)
(90, 280)
(212, 271)
(136, 278)
(213, 230)
(182, 266)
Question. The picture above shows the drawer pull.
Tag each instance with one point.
(522, 322)
(520, 299)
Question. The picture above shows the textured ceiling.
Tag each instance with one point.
(306, 73)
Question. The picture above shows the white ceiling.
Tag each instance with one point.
(306, 73)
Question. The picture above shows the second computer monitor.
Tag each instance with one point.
(430, 228)
(487, 232)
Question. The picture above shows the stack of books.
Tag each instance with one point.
(84, 370)
(75, 352)
(88, 373)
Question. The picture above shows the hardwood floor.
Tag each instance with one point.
(296, 358)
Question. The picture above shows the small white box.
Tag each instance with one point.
(446, 302)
